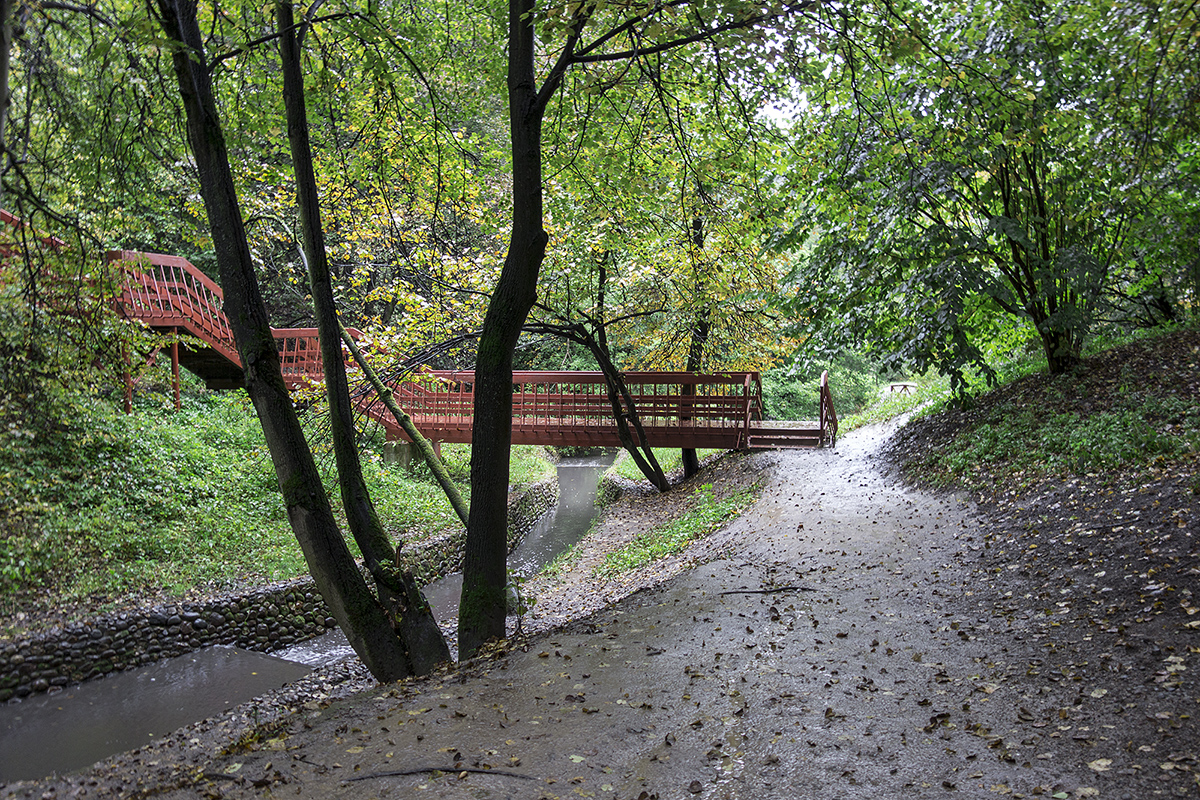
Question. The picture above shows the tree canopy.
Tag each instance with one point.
(999, 164)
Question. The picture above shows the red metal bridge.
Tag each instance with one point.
(677, 409)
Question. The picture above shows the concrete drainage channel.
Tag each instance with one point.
(173, 665)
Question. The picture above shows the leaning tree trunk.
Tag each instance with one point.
(398, 591)
(329, 559)
(625, 415)
(630, 430)
(483, 605)
(388, 398)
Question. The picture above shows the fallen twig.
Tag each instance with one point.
(771, 591)
(448, 770)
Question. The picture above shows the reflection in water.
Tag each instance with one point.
(76, 727)
(554, 533)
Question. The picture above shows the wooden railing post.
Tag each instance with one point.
(745, 437)
(829, 420)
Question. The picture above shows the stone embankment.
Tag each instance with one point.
(267, 619)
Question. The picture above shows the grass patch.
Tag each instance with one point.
(1021, 440)
(1132, 408)
(705, 516)
(530, 464)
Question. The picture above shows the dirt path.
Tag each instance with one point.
(846, 649)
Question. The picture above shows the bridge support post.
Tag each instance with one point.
(175, 367)
(400, 453)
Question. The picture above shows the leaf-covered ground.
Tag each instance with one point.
(850, 636)
(1094, 572)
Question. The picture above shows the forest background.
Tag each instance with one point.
(882, 190)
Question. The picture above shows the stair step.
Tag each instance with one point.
(784, 438)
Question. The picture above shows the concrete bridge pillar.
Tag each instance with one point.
(400, 453)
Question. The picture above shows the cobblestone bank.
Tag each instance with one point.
(266, 619)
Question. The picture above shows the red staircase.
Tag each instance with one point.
(677, 409)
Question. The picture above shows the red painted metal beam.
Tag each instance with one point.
(677, 409)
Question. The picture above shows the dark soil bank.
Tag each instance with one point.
(848, 637)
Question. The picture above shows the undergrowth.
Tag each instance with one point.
(95, 503)
(1131, 408)
(706, 514)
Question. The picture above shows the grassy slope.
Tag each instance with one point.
(101, 504)
(1131, 409)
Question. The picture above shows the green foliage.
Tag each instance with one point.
(108, 502)
(529, 464)
(853, 381)
(1023, 175)
(100, 502)
(705, 515)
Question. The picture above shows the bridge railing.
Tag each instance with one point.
(829, 419)
(169, 291)
(558, 399)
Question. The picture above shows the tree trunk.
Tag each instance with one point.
(700, 332)
(411, 616)
(7, 8)
(1063, 349)
(630, 430)
(329, 559)
(695, 359)
(625, 414)
(482, 607)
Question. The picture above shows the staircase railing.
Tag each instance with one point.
(829, 419)
(164, 290)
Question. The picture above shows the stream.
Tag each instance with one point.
(82, 724)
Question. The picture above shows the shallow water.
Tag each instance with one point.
(554, 533)
(83, 724)
(80, 725)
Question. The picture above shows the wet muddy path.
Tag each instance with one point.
(840, 646)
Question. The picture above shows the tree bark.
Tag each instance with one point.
(699, 339)
(1063, 349)
(329, 559)
(482, 607)
(7, 8)
(411, 616)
